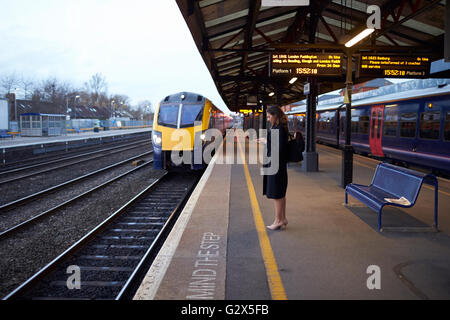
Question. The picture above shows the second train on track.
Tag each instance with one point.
(408, 127)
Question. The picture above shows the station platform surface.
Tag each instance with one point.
(27, 141)
(220, 249)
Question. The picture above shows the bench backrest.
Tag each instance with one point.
(399, 181)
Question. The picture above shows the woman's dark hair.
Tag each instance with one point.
(282, 119)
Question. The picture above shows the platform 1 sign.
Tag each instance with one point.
(306, 64)
(393, 66)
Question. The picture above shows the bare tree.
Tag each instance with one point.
(27, 85)
(96, 87)
(146, 110)
(58, 95)
(9, 82)
(55, 92)
(120, 104)
(146, 105)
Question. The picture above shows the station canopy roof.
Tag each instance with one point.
(236, 37)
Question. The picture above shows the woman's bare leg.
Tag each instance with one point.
(283, 215)
(279, 211)
(279, 220)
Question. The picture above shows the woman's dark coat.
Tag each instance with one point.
(275, 186)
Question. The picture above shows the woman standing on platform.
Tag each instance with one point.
(275, 186)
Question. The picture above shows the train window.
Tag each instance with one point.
(374, 123)
(447, 127)
(211, 121)
(190, 114)
(332, 122)
(364, 124)
(408, 123)
(299, 123)
(390, 129)
(430, 123)
(291, 123)
(390, 122)
(168, 116)
(380, 118)
(323, 123)
(355, 124)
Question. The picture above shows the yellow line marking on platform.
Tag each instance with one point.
(273, 276)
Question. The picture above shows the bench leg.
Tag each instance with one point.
(380, 223)
(346, 198)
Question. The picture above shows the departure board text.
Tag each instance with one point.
(306, 64)
(394, 66)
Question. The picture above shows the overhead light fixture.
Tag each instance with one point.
(359, 37)
(293, 80)
(271, 94)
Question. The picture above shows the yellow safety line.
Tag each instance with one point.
(273, 276)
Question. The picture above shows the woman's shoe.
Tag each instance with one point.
(276, 227)
(286, 222)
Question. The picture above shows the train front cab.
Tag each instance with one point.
(174, 130)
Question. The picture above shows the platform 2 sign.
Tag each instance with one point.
(393, 66)
(306, 64)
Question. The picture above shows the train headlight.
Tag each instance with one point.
(203, 137)
(157, 139)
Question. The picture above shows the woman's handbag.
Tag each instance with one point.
(294, 152)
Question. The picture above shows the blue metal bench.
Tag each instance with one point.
(392, 182)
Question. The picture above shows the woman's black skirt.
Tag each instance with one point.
(275, 186)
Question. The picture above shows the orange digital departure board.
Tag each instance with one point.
(393, 66)
(306, 64)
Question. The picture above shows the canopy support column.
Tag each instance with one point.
(347, 153)
(311, 157)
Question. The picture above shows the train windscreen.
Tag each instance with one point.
(168, 116)
(190, 114)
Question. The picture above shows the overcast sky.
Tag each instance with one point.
(142, 47)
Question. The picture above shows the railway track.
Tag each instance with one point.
(36, 218)
(82, 159)
(34, 196)
(112, 257)
(34, 162)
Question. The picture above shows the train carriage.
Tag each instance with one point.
(410, 127)
(179, 126)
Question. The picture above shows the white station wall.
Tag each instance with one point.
(4, 115)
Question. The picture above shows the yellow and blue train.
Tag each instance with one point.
(179, 120)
